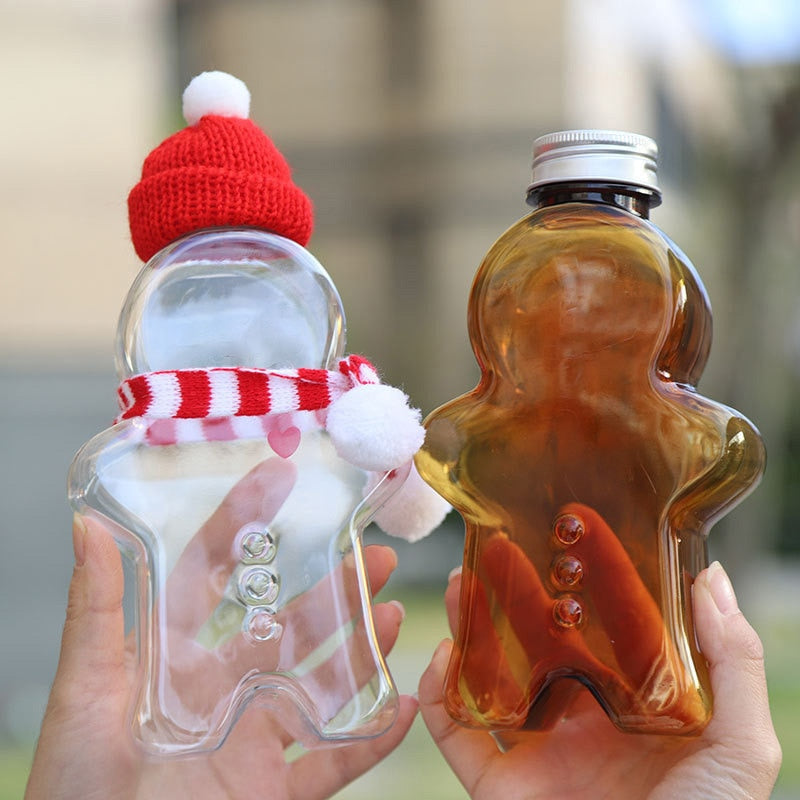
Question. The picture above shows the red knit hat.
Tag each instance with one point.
(221, 171)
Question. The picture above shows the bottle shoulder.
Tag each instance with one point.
(589, 223)
(579, 256)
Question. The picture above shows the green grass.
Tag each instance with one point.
(785, 704)
(14, 765)
(780, 634)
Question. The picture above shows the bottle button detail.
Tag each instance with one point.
(260, 625)
(256, 543)
(568, 612)
(568, 528)
(568, 570)
(258, 585)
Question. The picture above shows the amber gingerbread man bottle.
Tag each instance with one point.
(587, 467)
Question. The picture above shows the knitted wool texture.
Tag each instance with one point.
(221, 172)
(237, 391)
(370, 425)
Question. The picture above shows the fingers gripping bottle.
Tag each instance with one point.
(249, 453)
(586, 466)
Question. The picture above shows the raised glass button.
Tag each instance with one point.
(258, 585)
(567, 570)
(568, 528)
(261, 625)
(568, 612)
(256, 543)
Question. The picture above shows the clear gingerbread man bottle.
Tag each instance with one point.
(249, 453)
(587, 467)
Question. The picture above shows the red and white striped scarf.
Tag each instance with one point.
(225, 403)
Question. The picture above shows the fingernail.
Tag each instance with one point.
(719, 585)
(393, 553)
(442, 649)
(397, 604)
(454, 573)
(79, 539)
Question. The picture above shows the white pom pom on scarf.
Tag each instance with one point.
(373, 427)
(413, 511)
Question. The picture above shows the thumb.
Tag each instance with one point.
(92, 644)
(471, 754)
(741, 725)
(88, 698)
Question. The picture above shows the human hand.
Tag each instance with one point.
(85, 749)
(737, 757)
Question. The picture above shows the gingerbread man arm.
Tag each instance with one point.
(441, 461)
(728, 480)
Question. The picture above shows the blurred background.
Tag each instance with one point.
(409, 123)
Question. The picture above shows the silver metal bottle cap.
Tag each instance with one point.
(597, 156)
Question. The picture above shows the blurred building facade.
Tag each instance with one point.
(409, 123)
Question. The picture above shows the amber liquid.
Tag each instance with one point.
(588, 472)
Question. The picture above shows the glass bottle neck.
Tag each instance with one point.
(631, 198)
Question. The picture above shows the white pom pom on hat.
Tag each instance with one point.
(221, 170)
(215, 93)
(373, 427)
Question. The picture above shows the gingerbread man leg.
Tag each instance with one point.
(510, 651)
(635, 634)
(522, 637)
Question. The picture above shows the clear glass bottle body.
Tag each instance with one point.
(588, 471)
(245, 557)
